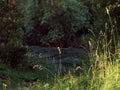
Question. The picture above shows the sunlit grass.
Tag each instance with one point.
(103, 72)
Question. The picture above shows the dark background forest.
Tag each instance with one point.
(53, 23)
(32, 28)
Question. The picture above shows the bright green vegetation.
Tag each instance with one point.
(96, 79)
(62, 19)
(102, 74)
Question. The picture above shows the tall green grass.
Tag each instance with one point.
(103, 72)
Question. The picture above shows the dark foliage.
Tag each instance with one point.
(12, 50)
(54, 22)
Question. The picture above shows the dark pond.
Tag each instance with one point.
(51, 58)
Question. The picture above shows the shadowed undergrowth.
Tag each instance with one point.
(102, 73)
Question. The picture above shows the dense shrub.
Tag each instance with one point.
(11, 34)
(56, 21)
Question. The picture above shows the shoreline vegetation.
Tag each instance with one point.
(100, 74)
(91, 25)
